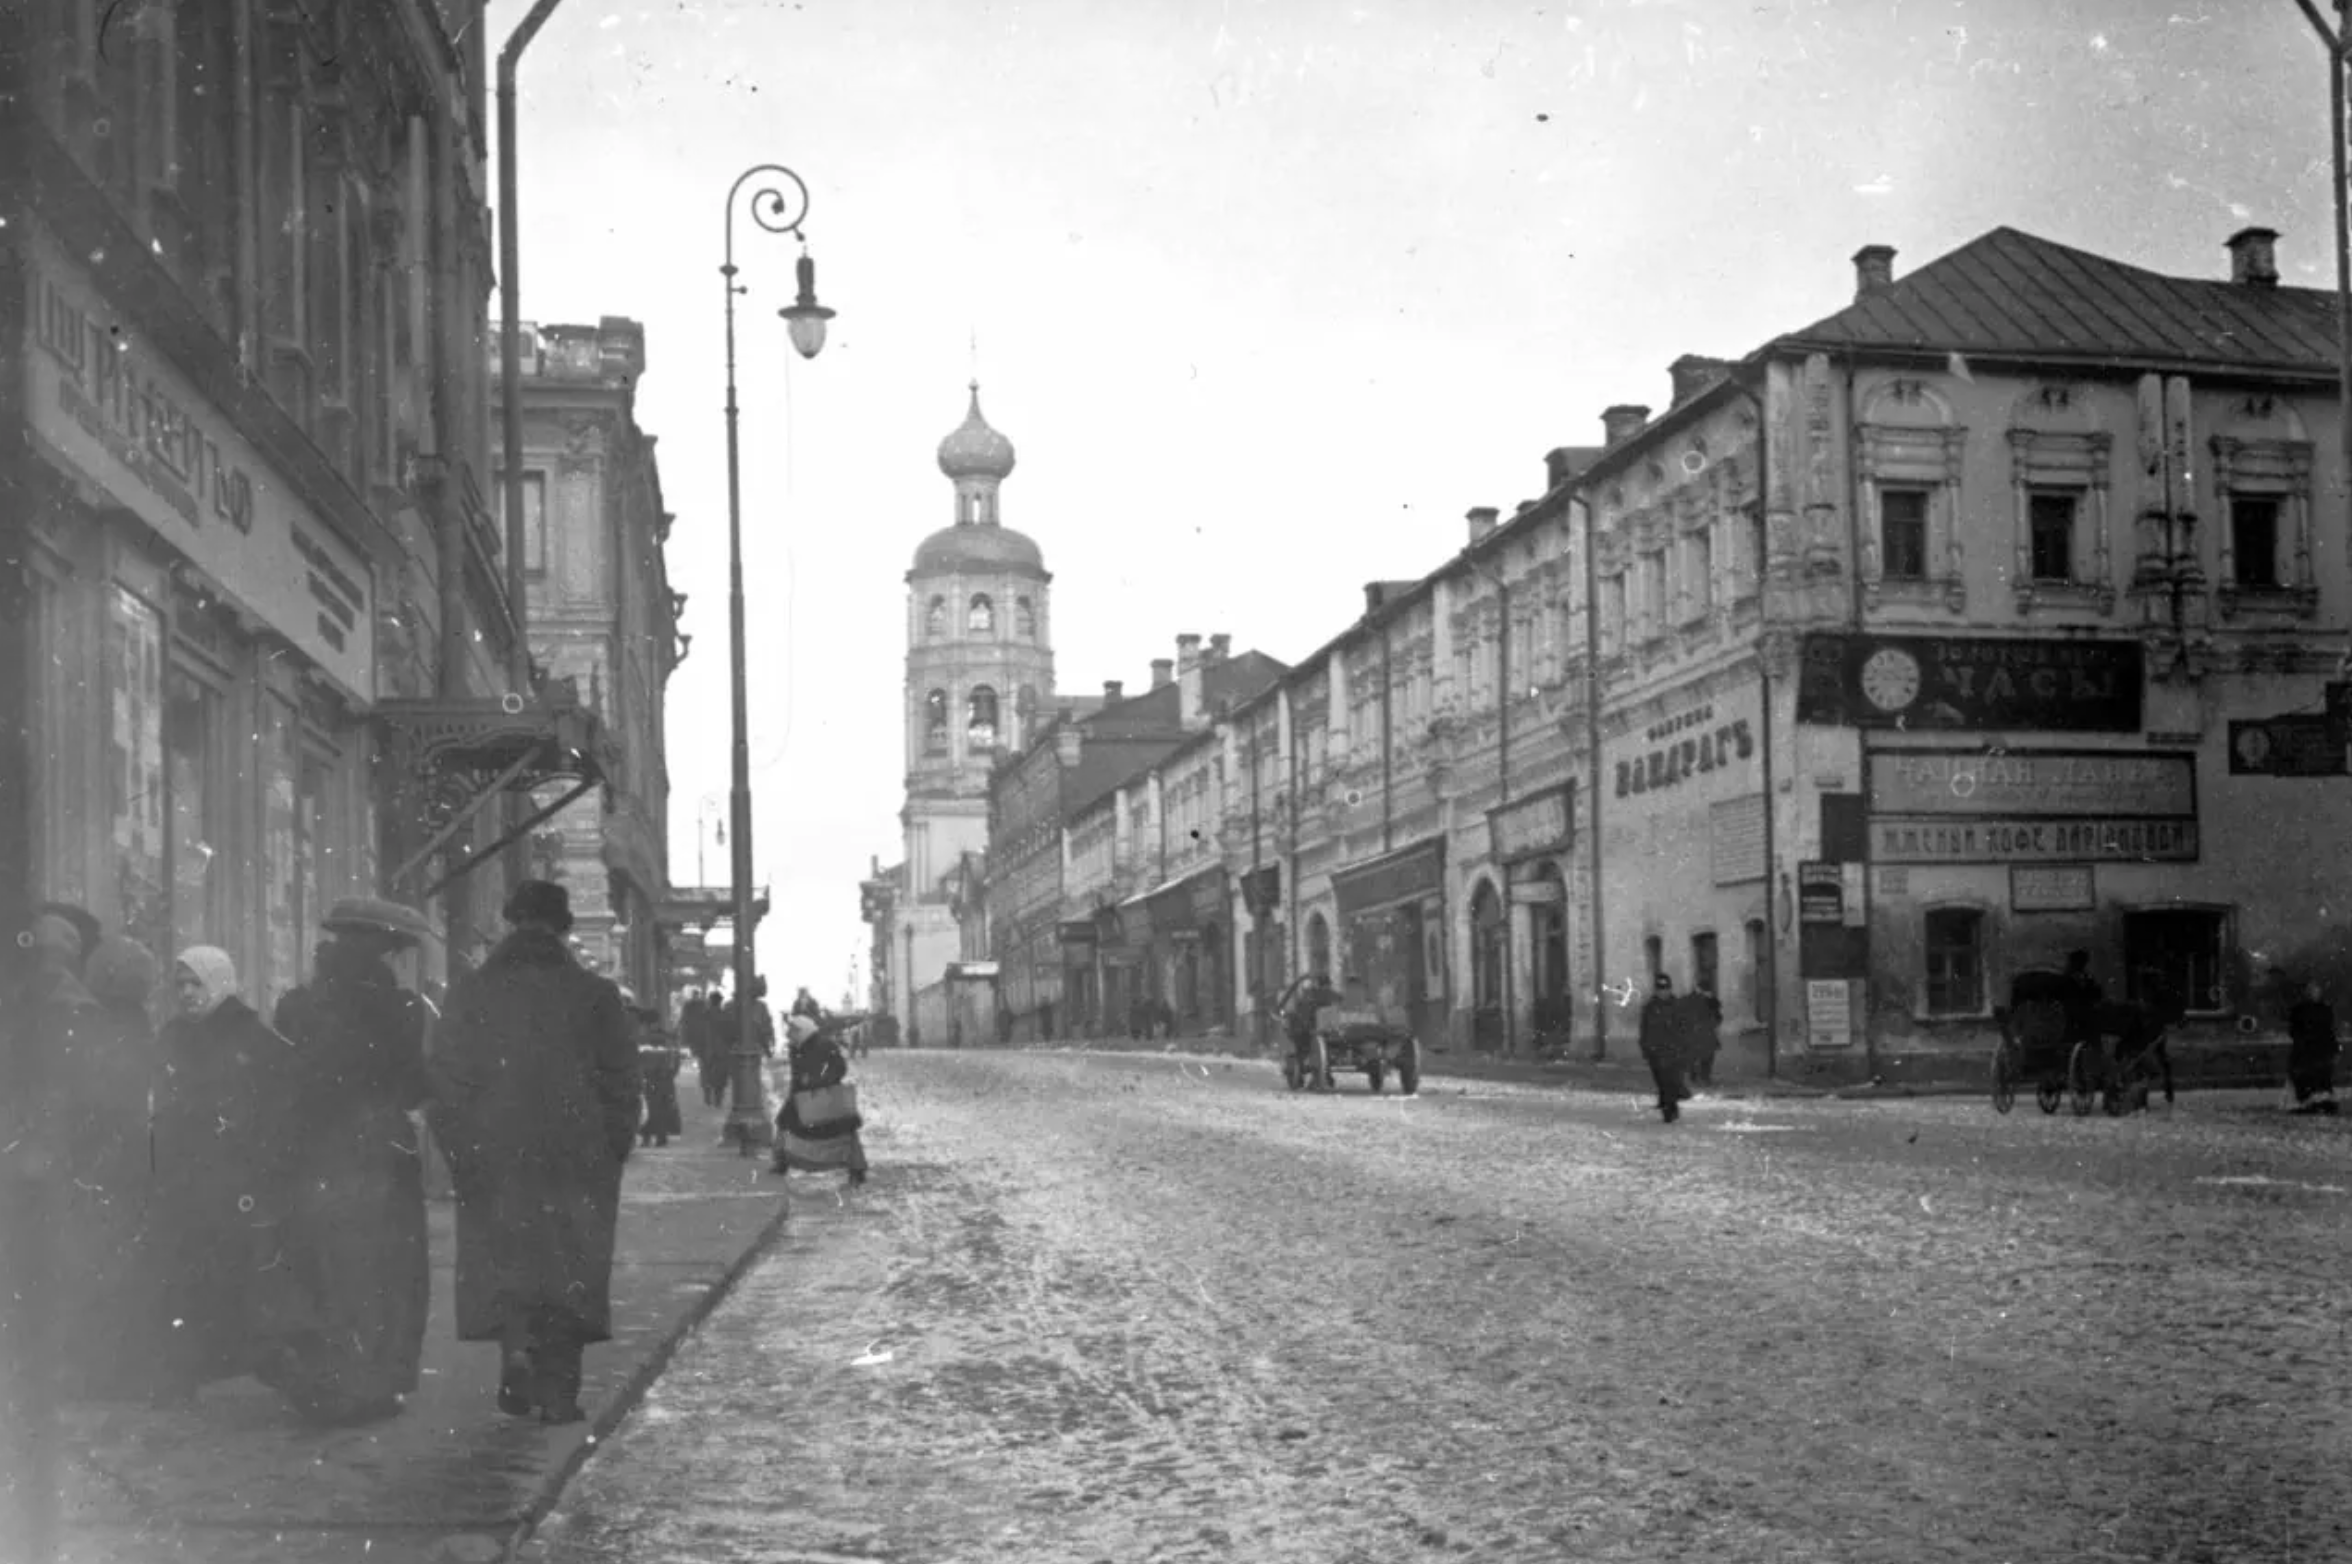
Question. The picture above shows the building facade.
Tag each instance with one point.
(243, 274)
(603, 617)
(979, 669)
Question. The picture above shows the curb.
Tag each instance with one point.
(623, 1401)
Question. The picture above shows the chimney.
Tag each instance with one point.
(1191, 672)
(2253, 260)
(1187, 653)
(1220, 647)
(1112, 689)
(1622, 422)
(1559, 467)
(1482, 523)
(1693, 374)
(1874, 270)
(1163, 672)
(1068, 738)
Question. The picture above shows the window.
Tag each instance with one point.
(2254, 534)
(935, 722)
(1902, 524)
(2174, 957)
(980, 718)
(1024, 619)
(534, 521)
(2049, 519)
(1654, 956)
(1653, 593)
(935, 619)
(1755, 953)
(1955, 961)
(1706, 963)
(1699, 571)
(982, 618)
(1613, 628)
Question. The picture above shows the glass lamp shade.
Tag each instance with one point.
(806, 318)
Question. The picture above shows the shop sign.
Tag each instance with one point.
(2032, 841)
(1821, 893)
(2053, 887)
(107, 405)
(1941, 683)
(1688, 744)
(1538, 893)
(1209, 896)
(1829, 1014)
(1078, 933)
(1415, 872)
(1542, 822)
(2287, 747)
(1262, 889)
(2034, 782)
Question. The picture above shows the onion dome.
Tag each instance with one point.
(978, 551)
(975, 450)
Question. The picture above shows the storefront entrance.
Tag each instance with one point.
(1489, 948)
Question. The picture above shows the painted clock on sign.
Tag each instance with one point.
(1890, 679)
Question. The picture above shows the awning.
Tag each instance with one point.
(702, 908)
(461, 754)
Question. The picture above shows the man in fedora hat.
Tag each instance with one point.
(346, 1341)
(536, 1099)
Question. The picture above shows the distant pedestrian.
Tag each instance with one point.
(2311, 1052)
(355, 1237)
(223, 1157)
(818, 1126)
(106, 1343)
(805, 1003)
(658, 1062)
(698, 1029)
(1704, 1023)
(534, 1076)
(1663, 1044)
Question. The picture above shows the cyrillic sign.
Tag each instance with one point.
(2033, 782)
(2032, 841)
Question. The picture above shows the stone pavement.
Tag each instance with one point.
(451, 1478)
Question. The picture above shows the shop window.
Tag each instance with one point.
(1024, 619)
(935, 619)
(2050, 521)
(2174, 957)
(62, 692)
(980, 718)
(981, 619)
(1955, 961)
(1755, 953)
(935, 722)
(1706, 964)
(2254, 539)
(1902, 522)
(281, 861)
(202, 845)
(134, 767)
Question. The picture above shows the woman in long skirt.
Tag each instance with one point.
(817, 1145)
(658, 1063)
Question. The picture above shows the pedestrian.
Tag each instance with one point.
(1663, 1042)
(2311, 1052)
(805, 1003)
(1704, 1020)
(657, 1066)
(534, 1078)
(223, 1158)
(818, 1127)
(355, 1235)
(102, 1082)
(698, 1029)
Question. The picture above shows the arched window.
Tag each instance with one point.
(982, 619)
(980, 718)
(1024, 619)
(935, 721)
(935, 619)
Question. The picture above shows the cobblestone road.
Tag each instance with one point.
(1157, 1309)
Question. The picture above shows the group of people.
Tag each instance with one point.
(1680, 1035)
(239, 1196)
(710, 1027)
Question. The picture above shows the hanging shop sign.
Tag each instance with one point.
(1261, 889)
(1542, 822)
(2053, 887)
(2017, 840)
(106, 406)
(1821, 893)
(1210, 893)
(2156, 786)
(1405, 875)
(1936, 683)
(2287, 747)
(1706, 738)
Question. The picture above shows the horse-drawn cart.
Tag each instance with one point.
(2110, 1060)
(1329, 1037)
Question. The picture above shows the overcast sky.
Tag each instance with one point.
(1267, 293)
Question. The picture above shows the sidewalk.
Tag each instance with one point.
(451, 1478)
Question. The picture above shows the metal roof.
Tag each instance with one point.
(2012, 293)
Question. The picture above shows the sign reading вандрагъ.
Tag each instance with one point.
(2154, 785)
(1941, 683)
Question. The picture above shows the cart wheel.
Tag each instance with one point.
(2049, 1094)
(1409, 1068)
(1322, 1073)
(1293, 1074)
(2078, 1080)
(1378, 1073)
(2004, 1081)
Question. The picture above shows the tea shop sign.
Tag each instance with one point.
(107, 407)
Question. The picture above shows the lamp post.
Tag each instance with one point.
(779, 207)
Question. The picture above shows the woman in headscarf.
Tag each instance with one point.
(223, 1114)
(355, 1239)
(821, 1145)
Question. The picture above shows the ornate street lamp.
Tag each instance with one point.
(778, 208)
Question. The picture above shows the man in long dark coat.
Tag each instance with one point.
(535, 1078)
(1665, 1032)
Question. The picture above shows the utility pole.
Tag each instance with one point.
(2338, 39)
